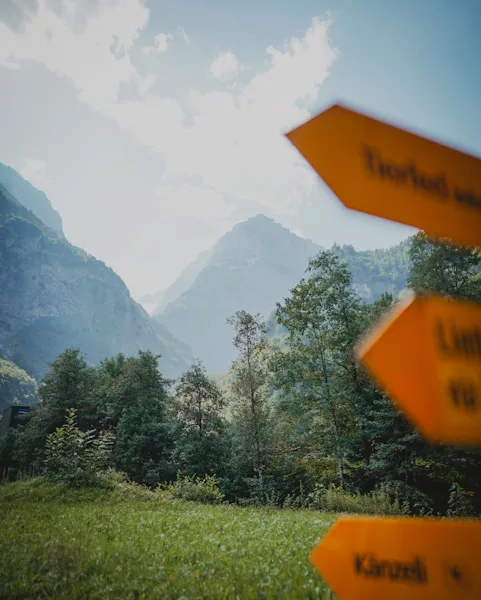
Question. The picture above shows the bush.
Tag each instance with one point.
(335, 499)
(414, 501)
(76, 457)
(205, 490)
(112, 478)
(261, 491)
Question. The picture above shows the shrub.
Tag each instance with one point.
(75, 457)
(335, 499)
(205, 490)
(261, 491)
(111, 478)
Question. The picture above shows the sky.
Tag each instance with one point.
(154, 127)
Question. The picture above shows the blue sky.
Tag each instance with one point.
(155, 127)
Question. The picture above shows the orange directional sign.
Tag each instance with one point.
(426, 353)
(401, 559)
(385, 171)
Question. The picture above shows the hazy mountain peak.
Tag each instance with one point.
(259, 219)
(263, 236)
(261, 222)
(250, 268)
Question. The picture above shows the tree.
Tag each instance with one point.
(68, 384)
(198, 423)
(439, 267)
(442, 268)
(144, 444)
(248, 388)
(320, 318)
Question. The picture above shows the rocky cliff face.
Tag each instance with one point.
(54, 296)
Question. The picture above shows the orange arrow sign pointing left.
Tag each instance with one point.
(426, 353)
(376, 168)
(401, 559)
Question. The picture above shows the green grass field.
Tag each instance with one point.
(60, 544)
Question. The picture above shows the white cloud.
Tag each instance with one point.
(294, 75)
(161, 44)
(230, 153)
(93, 53)
(162, 41)
(225, 66)
(236, 144)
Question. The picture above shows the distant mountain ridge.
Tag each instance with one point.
(54, 295)
(251, 268)
(31, 198)
(183, 282)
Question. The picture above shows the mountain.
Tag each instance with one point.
(249, 268)
(182, 283)
(31, 198)
(54, 295)
(156, 303)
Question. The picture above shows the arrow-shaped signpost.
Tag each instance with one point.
(434, 374)
(376, 168)
(374, 558)
(426, 352)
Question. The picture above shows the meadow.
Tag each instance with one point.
(59, 543)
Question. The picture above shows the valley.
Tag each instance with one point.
(54, 295)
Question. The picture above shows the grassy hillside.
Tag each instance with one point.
(97, 545)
